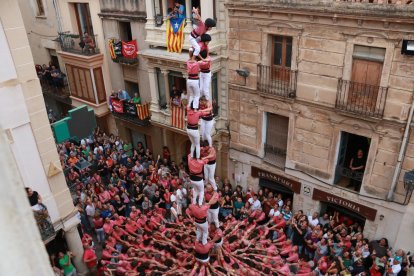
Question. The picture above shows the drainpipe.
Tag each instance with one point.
(404, 144)
(58, 17)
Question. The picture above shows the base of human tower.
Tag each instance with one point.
(246, 249)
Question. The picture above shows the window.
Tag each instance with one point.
(40, 8)
(125, 33)
(176, 79)
(162, 97)
(215, 94)
(131, 88)
(367, 66)
(276, 139)
(282, 51)
(351, 161)
(83, 18)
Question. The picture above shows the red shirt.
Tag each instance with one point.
(194, 116)
(206, 63)
(212, 151)
(199, 30)
(196, 165)
(98, 223)
(88, 254)
(203, 248)
(193, 68)
(197, 211)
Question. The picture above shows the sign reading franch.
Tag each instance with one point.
(288, 183)
(362, 210)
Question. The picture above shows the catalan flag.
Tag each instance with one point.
(178, 116)
(175, 34)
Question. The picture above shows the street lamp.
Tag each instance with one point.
(408, 185)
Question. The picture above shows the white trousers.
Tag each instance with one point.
(198, 191)
(202, 232)
(206, 127)
(209, 171)
(193, 91)
(194, 136)
(212, 216)
(205, 80)
(194, 44)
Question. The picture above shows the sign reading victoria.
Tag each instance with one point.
(288, 183)
(362, 210)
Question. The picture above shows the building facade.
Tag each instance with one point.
(324, 114)
(33, 161)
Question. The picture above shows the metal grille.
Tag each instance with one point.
(276, 81)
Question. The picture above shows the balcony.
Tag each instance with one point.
(138, 114)
(126, 61)
(77, 44)
(44, 223)
(60, 93)
(276, 82)
(156, 36)
(361, 99)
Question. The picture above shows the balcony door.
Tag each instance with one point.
(281, 58)
(83, 18)
(366, 77)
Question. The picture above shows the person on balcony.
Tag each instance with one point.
(57, 77)
(357, 166)
(88, 42)
(123, 95)
(136, 99)
(202, 28)
(180, 9)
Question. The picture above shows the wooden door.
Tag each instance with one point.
(281, 58)
(341, 156)
(366, 77)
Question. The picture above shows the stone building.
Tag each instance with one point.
(325, 80)
(28, 159)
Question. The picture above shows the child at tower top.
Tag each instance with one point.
(202, 28)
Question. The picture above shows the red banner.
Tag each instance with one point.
(129, 49)
(118, 106)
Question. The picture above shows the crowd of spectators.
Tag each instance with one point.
(50, 75)
(132, 206)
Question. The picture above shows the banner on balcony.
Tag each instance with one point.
(118, 106)
(143, 111)
(130, 108)
(175, 34)
(115, 48)
(130, 49)
(178, 117)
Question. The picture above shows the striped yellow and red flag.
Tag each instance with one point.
(175, 34)
(143, 111)
(178, 116)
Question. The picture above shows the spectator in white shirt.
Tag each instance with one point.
(313, 220)
(255, 203)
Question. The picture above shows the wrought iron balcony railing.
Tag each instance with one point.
(78, 44)
(276, 81)
(44, 223)
(361, 99)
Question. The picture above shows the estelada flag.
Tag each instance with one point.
(175, 34)
(129, 49)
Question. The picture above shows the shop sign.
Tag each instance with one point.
(362, 210)
(293, 185)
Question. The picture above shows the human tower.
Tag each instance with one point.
(202, 159)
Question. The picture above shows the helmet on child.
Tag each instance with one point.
(210, 23)
(205, 37)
